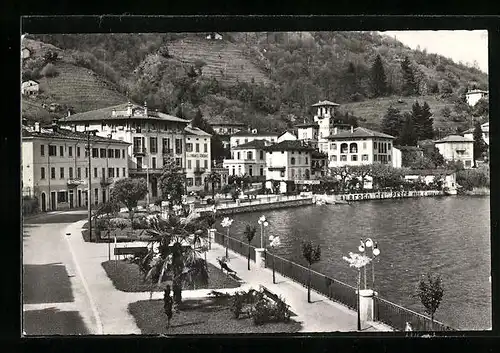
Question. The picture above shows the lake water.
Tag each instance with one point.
(449, 236)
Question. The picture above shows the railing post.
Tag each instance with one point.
(259, 257)
(366, 305)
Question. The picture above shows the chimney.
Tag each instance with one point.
(335, 130)
(129, 109)
(249, 129)
(37, 126)
(352, 129)
(145, 108)
(113, 112)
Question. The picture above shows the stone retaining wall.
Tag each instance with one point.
(265, 206)
(387, 195)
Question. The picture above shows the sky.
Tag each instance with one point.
(465, 46)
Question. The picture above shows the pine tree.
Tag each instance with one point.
(479, 144)
(409, 86)
(392, 122)
(378, 78)
(422, 121)
(408, 136)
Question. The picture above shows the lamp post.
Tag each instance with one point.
(358, 261)
(274, 242)
(369, 243)
(226, 223)
(263, 223)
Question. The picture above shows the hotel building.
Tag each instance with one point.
(55, 166)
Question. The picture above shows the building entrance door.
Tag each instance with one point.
(53, 201)
(79, 198)
(44, 205)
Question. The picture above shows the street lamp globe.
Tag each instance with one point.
(266, 224)
(361, 247)
(369, 243)
(376, 250)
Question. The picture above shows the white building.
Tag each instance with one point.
(242, 137)
(457, 148)
(248, 159)
(30, 87)
(360, 146)
(485, 128)
(155, 137)
(55, 166)
(286, 136)
(473, 96)
(198, 163)
(324, 117)
(449, 177)
(289, 163)
(308, 132)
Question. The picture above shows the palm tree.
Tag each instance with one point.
(249, 235)
(213, 178)
(312, 255)
(178, 258)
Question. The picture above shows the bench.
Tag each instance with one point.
(272, 295)
(134, 250)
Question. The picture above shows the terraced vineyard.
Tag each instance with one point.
(81, 88)
(225, 61)
(32, 110)
(373, 110)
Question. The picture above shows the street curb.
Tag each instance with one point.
(84, 282)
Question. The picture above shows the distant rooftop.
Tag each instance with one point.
(195, 131)
(255, 132)
(454, 138)
(476, 91)
(121, 112)
(358, 132)
(323, 103)
(255, 144)
(288, 145)
(65, 134)
(304, 125)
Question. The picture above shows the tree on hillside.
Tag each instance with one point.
(409, 87)
(378, 78)
(172, 183)
(49, 70)
(408, 136)
(479, 144)
(129, 191)
(422, 120)
(392, 122)
(481, 108)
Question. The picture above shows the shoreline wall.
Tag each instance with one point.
(387, 195)
(264, 206)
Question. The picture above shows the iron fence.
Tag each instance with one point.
(385, 311)
(396, 316)
(329, 287)
(235, 245)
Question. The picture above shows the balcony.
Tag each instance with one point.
(144, 171)
(73, 183)
(139, 150)
(106, 181)
(166, 150)
(199, 170)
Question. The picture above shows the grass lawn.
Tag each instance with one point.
(200, 316)
(127, 277)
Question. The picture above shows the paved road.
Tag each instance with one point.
(54, 299)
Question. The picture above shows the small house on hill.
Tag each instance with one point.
(214, 35)
(25, 53)
(30, 87)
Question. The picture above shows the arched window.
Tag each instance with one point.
(343, 148)
(234, 170)
(292, 161)
(239, 170)
(249, 155)
(353, 148)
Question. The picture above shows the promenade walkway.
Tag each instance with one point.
(111, 305)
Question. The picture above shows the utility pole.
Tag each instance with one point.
(89, 189)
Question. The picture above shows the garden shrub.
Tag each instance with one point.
(237, 304)
(472, 178)
(263, 311)
(140, 223)
(119, 223)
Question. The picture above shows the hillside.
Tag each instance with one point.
(290, 71)
(73, 87)
(224, 60)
